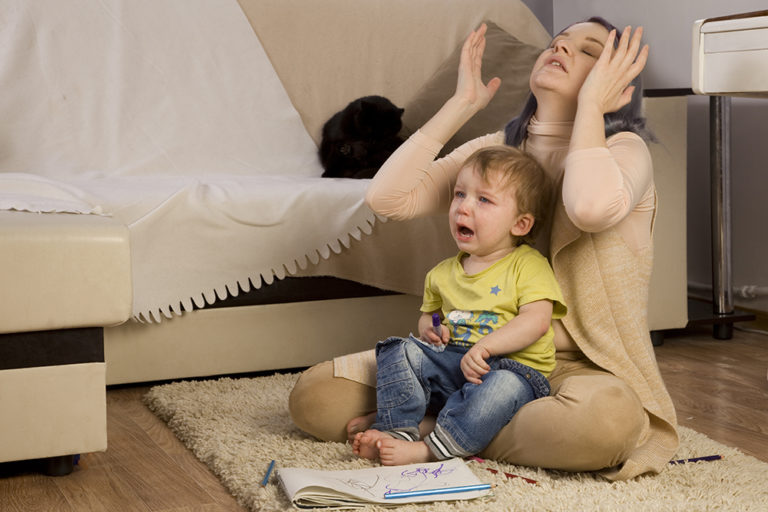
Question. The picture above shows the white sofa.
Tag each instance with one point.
(325, 55)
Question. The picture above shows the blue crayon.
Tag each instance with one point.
(269, 472)
(444, 490)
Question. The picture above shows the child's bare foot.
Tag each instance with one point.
(365, 443)
(396, 452)
(359, 425)
(356, 443)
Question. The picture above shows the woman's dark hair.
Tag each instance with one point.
(628, 118)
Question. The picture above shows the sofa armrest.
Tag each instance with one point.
(61, 271)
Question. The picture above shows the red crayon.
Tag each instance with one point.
(508, 475)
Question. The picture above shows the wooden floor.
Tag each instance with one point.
(719, 389)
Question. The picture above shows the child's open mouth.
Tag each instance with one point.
(464, 233)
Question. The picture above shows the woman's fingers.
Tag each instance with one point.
(607, 52)
(477, 49)
(476, 40)
(634, 44)
(639, 55)
(472, 54)
(620, 57)
(633, 58)
(642, 58)
(633, 51)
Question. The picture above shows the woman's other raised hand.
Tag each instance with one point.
(607, 87)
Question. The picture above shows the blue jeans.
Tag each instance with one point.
(412, 380)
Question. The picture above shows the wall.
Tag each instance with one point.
(668, 29)
(749, 196)
(543, 10)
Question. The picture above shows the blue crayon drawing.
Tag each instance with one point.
(414, 478)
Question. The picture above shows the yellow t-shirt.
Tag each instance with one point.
(473, 306)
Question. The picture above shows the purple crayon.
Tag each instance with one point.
(436, 328)
(436, 325)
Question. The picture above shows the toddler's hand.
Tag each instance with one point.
(427, 331)
(474, 365)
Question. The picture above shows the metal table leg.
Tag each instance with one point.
(720, 197)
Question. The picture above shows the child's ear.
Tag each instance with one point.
(522, 225)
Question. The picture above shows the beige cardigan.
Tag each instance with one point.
(606, 282)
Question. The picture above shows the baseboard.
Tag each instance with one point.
(761, 319)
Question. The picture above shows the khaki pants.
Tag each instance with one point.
(591, 421)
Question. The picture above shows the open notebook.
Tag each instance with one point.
(348, 489)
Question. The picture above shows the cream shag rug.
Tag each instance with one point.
(236, 426)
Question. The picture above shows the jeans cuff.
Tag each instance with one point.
(443, 446)
(405, 435)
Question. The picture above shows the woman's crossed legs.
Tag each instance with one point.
(592, 421)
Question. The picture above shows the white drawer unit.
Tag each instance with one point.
(730, 55)
(729, 58)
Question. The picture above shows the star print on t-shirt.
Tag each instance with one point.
(495, 290)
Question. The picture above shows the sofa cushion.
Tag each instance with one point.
(505, 57)
(329, 53)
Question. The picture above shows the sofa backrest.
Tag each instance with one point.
(330, 52)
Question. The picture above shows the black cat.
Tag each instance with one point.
(359, 138)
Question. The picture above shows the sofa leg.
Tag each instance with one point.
(58, 466)
(657, 338)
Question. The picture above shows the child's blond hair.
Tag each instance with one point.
(519, 170)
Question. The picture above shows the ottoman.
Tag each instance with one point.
(63, 277)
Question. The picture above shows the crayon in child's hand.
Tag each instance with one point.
(436, 327)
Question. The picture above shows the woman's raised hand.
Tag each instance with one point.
(607, 87)
(471, 94)
(470, 87)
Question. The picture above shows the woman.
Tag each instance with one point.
(609, 409)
